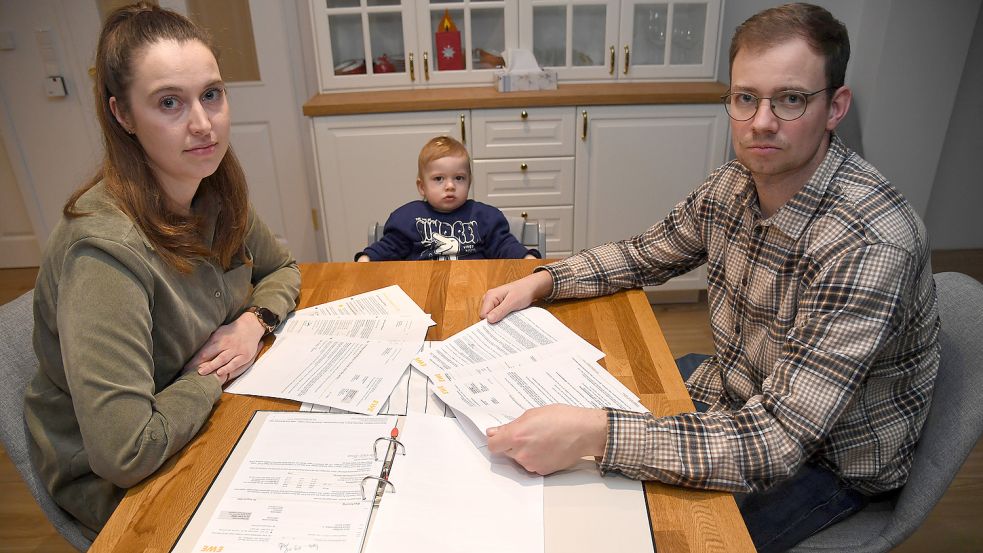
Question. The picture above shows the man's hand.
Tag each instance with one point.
(518, 294)
(547, 439)
(230, 350)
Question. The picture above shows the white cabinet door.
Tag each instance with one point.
(668, 39)
(636, 163)
(368, 166)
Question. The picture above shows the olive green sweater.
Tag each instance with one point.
(113, 327)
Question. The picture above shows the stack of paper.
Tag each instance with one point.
(348, 354)
(491, 374)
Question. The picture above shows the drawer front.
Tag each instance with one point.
(501, 133)
(524, 182)
(557, 222)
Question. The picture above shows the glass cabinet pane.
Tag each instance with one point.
(347, 44)
(688, 24)
(649, 34)
(549, 35)
(487, 38)
(386, 39)
(588, 35)
(447, 41)
(342, 3)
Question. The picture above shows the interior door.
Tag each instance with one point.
(266, 114)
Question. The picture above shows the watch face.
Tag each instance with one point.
(269, 317)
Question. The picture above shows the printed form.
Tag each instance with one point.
(491, 374)
(348, 354)
(293, 483)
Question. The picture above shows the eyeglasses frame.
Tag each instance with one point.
(725, 100)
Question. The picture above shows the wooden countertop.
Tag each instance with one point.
(431, 99)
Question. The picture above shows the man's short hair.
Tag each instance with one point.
(825, 34)
(441, 147)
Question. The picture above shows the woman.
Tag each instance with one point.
(159, 283)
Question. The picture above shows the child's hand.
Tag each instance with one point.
(530, 256)
(363, 258)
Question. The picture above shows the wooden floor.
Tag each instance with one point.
(953, 526)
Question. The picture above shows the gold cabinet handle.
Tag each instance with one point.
(426, 66)
(611, 71)
(524, 215)
(583, 134)
(523, 166)
(412, 70)
(464, 136)
(524, 114)
(627, 58)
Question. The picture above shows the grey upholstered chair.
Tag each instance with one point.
(530, 234)
(18, 364)
(954, 425)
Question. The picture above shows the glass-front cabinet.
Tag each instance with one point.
(364, 44)
(623, 39)
(370, 44)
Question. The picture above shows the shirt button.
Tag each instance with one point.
(153, 435)
(218, 294)
(737, 328)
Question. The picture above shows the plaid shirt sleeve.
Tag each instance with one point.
(847, 312)
(672, 247)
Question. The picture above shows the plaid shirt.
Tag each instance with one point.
(824, 324)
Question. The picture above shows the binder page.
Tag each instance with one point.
(293, 483)
(450, 496)
(352, 375)
(519, 332)
(495, 393)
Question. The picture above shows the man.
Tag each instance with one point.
(822, 308)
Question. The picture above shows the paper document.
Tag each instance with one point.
(392, 328)
(412, 394)
(518, 333)
(498, 392)
(352, 375)
(450, 496)
(391, 300)
(293, 483)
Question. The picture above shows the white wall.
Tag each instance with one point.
(954, 210)
(904, 53)
(53, 143)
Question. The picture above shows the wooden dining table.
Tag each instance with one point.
(153, 513)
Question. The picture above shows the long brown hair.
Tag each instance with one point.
(126, 170)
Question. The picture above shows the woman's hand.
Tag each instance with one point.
(230, 350)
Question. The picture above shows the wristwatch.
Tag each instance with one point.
(267, 318)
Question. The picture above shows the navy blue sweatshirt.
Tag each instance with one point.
(475, 230)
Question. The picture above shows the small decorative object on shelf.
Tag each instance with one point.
(448, 39)
(350, 67)
(382, 64)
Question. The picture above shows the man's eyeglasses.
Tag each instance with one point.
(787, 105)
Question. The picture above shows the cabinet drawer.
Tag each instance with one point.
(557, 223)
(500, 133)
(542, 181)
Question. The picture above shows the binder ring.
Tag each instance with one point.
(381, 480)
(397, 443)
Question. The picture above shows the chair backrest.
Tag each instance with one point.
(952, 429)
(18, 364)
(529, 233)
(375, 233)
(955, 419)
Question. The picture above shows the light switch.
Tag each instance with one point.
(55, 87)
